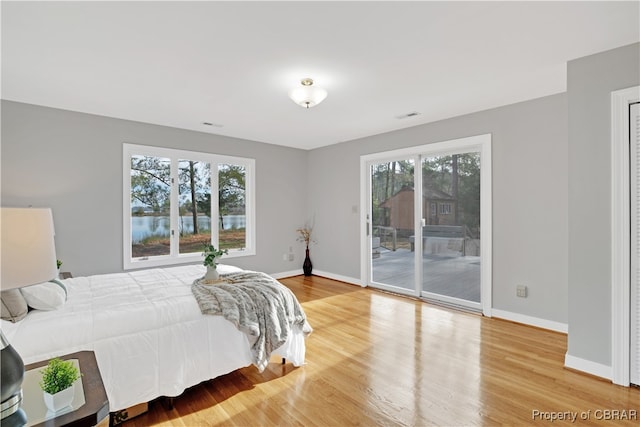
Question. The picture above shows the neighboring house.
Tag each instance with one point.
(439, 207)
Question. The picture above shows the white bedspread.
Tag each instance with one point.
(146, 329)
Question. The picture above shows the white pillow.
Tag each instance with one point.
(45, 296)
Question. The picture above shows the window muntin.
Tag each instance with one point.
(160, 186)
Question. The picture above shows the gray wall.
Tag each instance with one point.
(590, 81)
(72, 162)
(529, 199)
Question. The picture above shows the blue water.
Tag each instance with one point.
(147, 226)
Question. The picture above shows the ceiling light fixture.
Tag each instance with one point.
(307, 95)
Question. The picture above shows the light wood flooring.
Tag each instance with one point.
(379, 359)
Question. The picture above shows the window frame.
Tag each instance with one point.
(174, 257)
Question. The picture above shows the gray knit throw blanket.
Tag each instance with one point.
(258, 305)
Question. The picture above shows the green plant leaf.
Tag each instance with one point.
(58, 375)
(211, 254)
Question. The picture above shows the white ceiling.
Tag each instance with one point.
(232, 63)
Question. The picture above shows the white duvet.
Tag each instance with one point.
(146, 329)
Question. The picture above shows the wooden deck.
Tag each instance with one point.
(450, 274)
(377, 359)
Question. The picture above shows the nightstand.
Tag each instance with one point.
(95, 409)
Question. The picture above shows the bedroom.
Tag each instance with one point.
(69, 157)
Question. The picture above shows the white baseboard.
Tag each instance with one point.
(284, 274)
(593, 368)
(328, 275)
(530, 320)
(338, 277)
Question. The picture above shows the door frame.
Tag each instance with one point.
(477, 143)
(621, 235)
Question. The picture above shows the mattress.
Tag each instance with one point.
(146, 330)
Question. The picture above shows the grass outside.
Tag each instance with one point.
(189, 243)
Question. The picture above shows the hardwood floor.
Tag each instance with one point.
(380, 359)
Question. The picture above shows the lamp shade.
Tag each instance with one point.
(28, 251)
(306, 95)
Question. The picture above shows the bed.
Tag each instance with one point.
(147, 331)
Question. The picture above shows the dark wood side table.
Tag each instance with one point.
(96, 408)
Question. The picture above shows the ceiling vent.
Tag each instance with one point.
(215, 125)
(411, 114)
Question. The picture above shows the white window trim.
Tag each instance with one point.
(174, 257)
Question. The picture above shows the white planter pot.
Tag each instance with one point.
(211, 274)
(60, 400)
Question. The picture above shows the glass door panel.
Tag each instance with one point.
(451, 228)
(392, 225)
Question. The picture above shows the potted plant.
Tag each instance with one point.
(211, 254)
(57, 383)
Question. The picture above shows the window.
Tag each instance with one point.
(445, 208)
(169, 212)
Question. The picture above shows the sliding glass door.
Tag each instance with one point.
(451, 229)
(426, 208)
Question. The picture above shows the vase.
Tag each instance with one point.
(306, 265)
(211, 274)
(60, 400)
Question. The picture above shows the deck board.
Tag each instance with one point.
(451, 275)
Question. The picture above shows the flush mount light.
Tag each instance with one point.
(306, 95)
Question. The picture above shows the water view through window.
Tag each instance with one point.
(180, 201)
(143, 227)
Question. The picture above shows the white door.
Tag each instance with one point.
(634, 133)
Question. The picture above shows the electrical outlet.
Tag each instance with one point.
(285, 257)
(521, 291)
(291, 256)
